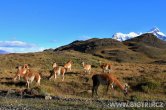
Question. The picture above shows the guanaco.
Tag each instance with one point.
(68, 65)
(87, 67)
(107, 67)
(57, 70)
(107, 79)
(28, 75)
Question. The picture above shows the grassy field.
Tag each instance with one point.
(146, 81)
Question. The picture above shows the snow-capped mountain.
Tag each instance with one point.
(157, 33)
(122, 37)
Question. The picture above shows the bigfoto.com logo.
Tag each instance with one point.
(138, 104)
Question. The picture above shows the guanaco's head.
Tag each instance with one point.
(54, 65)
(18, 73)
(26, 66)
(18, 67)
(126, 86)
(21, 70)
(82, 63)
(70, 61)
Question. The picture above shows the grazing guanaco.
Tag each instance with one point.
(107, 79)
(107, 67)
(87, 67)
(28, 75)
(68, 65)
(57, 70)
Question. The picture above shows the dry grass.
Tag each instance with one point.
(147, 81)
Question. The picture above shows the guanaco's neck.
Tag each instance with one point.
(119, 84)
(116, 81)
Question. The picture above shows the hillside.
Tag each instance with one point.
(91, 45)
(146, 81)
(145, 48)
(105, 48)
(149, 45)
(43, 61)
(148, 39)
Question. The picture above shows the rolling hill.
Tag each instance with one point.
(148, 39)
(91, 45)
(105, 48)
(149, 45)
(144, 48)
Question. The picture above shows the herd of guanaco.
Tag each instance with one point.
(105, 78)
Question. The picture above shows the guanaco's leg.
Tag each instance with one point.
(107, 87)
(55, 76)
(63, 74)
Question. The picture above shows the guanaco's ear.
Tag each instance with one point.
(26, 66)
(71, 61)
(19, 67)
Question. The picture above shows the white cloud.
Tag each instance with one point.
(19, 47)
(19, 44)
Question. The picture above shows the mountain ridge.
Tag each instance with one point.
(90, 45)
(145, 47)
(149, 39)
(3, 52)
(122, 37)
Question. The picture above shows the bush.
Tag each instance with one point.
(146, 85)
(149, 86)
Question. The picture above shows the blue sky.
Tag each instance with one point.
(34, 25)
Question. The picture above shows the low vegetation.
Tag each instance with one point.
(146, 81)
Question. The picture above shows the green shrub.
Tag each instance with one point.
(149, 86)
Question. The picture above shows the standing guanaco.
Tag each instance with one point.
(57, 70)
(107, 67)
(68, 65)
(87, 67)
